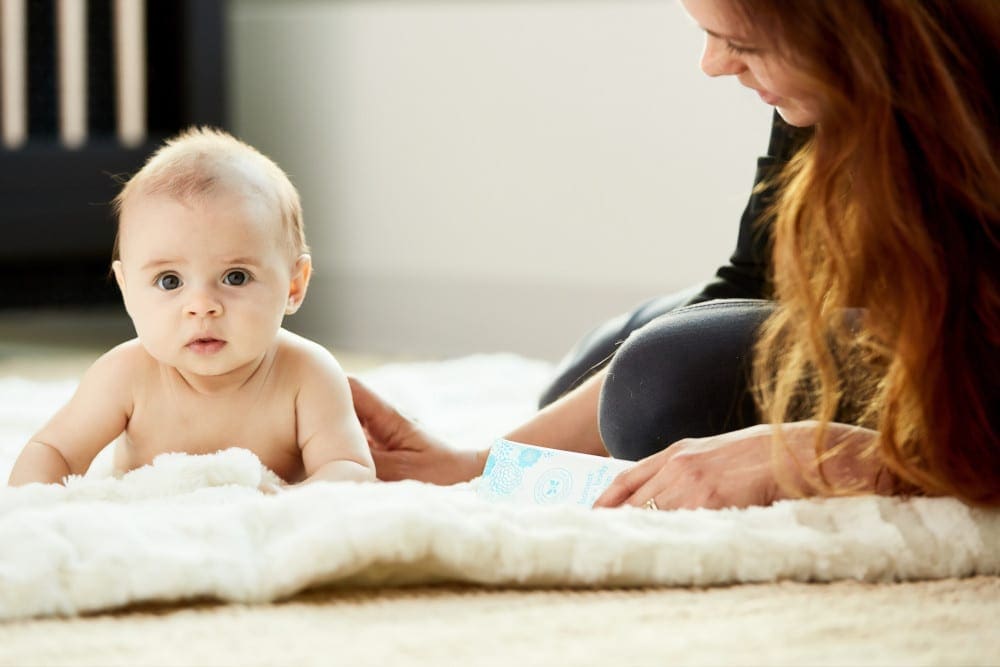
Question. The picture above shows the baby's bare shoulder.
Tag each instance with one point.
(307, 360)
(113, 377)
(123, 361)
(296, 349)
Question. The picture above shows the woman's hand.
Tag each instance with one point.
(735, 469)
(729, 470)
(403, 450)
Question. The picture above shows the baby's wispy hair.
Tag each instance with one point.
(202, 161)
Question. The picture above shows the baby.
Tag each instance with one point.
(210, 256)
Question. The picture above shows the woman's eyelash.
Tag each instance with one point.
(739, 50)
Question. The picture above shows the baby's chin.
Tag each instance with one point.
(204, 366)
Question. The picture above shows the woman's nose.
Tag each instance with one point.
(717, 60)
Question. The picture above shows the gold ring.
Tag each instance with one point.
(650, 504)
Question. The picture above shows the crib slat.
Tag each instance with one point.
(71, 31)
(130, 69)
(13, 75)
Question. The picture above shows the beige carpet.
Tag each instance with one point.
(947, 622)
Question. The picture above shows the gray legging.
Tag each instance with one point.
(675, 371)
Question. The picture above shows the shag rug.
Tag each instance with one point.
(195, 527)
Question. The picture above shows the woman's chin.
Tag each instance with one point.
(796, 116)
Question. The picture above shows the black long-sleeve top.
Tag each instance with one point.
(746, 274)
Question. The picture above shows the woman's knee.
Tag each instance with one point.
(595, 350)
(685, 374)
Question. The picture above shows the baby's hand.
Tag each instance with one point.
(270, 488)
(270, 483)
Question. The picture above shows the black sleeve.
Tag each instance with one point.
(746, 274)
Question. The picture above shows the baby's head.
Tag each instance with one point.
(210, 253)
(204, 162)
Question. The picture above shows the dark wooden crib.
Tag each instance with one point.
(89, 88)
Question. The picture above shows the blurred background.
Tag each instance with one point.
(477, 175)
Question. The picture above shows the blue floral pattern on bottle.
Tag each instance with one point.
(505, 478)
(517, 472)
(528, 457)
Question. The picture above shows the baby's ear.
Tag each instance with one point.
(116, 268)
(301, 273)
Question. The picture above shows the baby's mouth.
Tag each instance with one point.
(206, 345)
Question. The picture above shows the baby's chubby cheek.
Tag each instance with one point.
(154, 342)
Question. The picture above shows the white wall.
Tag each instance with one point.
(485, 175)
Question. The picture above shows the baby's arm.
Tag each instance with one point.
(95, 415)
(332, 441)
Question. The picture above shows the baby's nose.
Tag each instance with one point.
(203, 304)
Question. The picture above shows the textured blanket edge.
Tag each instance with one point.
(192, 527)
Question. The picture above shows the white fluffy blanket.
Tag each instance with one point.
(195, 526)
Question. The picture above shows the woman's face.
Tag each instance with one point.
(729, 50)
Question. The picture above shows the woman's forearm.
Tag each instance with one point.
(845, 461)
(569, 423)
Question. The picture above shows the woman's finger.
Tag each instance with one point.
(366, 402)
(389, 465)
(666, 488)
(626, 484)
(652, 489)
(384, 425)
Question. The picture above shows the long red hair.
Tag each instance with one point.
(892, 209)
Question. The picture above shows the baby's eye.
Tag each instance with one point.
(168, 281)
(236, 278)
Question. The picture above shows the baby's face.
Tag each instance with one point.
(206, 283)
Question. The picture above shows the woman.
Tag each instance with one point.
(876, 368)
